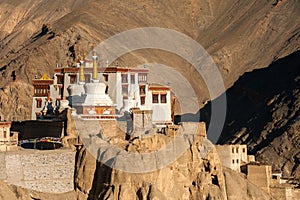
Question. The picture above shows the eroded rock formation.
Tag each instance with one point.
(192, 176)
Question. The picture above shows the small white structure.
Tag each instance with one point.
(8, 139)
(233, 155)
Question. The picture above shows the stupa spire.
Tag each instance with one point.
(95, 68)
(81, 72)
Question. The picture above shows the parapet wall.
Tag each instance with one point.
(45, 171)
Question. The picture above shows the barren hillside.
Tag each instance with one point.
(239, 35)
(263, 112)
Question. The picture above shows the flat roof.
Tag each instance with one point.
(101, 70)
(159, 87)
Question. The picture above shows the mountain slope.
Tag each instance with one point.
(240, 36)
(264, 113)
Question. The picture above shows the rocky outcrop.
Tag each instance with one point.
(238, 187)
(194, 175)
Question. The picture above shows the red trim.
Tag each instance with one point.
(42, 82)
(5, 123)
(157, 88)
(101, 70)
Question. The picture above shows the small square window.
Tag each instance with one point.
(105, 77)
(163, 98)
(87, 78)
(154, 98)
(38, 103)
(142, 100)
(142, 90)
(60, 78)
(132, 79)
(124, 78)
(125, 90)
(73, 78)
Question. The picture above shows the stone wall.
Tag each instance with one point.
(285, 193)
(260, 175)
(45, 171)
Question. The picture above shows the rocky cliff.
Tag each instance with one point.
(196, 174)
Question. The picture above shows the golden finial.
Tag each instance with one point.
(45, 77)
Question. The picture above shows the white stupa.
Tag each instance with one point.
(95, 91)
(95, 95)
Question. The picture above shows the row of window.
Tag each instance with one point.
(237, 150)
(39, 103)
(156, 97)
(142, 78)
(41, 91)
(237, 161)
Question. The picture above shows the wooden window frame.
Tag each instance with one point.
(155, 98)
(163, 98)
(39, 103)
(143, 100)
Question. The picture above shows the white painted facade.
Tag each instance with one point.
(126, 87)
(8, 140)
(233, 156)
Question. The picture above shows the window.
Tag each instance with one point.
(142, 90)
(59, 78)
(125, 90)
(132, 79)
(38, 103)
(154, 98)
(232, 150)
(142, 100)
(244, 150)
(124, 78)
(73, 78)
(237, 160)
(142, 78)
(105, 77)
(4, 134)
(237, 150)
(87, 78)
(60, 90)
(163, 98)
(232, 161)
